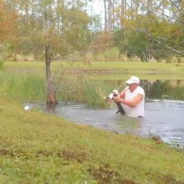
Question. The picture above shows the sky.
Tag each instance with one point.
(96, 7)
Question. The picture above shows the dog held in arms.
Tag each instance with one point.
(111, 96)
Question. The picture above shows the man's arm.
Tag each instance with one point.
(122, 94)
(132, 103)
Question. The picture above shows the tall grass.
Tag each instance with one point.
(31, 87)
(27, 87)
(80, 89)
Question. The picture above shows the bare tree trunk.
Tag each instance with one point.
(121, 11)
(125, 8)
(51, 98)
(27, 10)
(149, 7)
(50, 93)
(136, 8)
(78, 3)
(113, 14)
(163, 10)
(105, 16)
(110, 15)
(132, 9)
(122, 15)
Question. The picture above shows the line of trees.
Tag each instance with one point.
(144, 28)
(50, 29)
(147, 28)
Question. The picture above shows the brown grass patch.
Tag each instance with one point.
(105, 175)
(4, 152)
(71, 155)
(67, 155)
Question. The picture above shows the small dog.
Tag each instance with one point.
(111, 96)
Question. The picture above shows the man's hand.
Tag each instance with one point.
(132, 103)
(117, 99)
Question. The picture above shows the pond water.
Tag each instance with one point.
(164, 117)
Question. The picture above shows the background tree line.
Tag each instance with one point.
(57, 29)
(147, 29)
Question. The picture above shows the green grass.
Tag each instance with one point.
(22, 87)
(31, 87)
(110, 66)
(36, 148)
(104, 70)
(79, 82)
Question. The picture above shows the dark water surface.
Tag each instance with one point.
(164, 118)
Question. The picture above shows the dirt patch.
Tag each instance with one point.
(125, 181)
(66, 154)
(105, 175)
(4, 152)
(71, 155)
(44, 153)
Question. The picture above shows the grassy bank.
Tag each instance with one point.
(145, 69)
(36, 148)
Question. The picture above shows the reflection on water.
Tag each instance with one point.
(170, 89)
(157, 89)
(163, 118)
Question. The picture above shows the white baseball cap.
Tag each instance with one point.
(133, 80)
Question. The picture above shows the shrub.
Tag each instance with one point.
(112, 54)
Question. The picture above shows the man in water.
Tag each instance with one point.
(132, 98)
